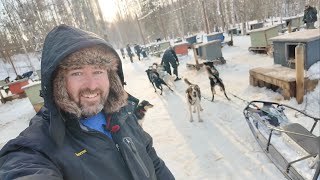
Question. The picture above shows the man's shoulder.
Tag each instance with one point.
(36, 137)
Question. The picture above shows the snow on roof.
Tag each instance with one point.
(31, 84)
(300, 36)
(293, 17)
(214, 33)
(264, 28)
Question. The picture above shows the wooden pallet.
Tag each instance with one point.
(12, 97)
(278, 76)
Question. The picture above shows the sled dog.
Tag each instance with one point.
(155, 80)
(193, 97)
(141, 110)
(214, 78)
(167, 78)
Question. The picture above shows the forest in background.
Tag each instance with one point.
(25, 23)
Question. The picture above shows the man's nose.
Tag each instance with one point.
(91, 82)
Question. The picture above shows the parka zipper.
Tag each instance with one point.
(129, 143)
(103, 136)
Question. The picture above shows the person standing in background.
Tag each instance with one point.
(122, 53)
(170, 58)
(310, 16)
(129, 52)
(137, 50)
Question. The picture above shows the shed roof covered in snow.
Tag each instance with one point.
(300, 36)
(264, 28)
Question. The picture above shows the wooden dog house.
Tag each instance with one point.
(33, 93)
(210, 50)
(234, 31)
(215, 36)
(256, 25)
(192, 39)
(16, 87)
(295, 21)
(260, 42)
(181, 48)
(284, 47)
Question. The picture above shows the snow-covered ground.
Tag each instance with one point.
(222, 147)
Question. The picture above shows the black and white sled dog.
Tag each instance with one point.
(155, 80)
(193, 96)
(214, 78)
(167, 78)
(141, 110)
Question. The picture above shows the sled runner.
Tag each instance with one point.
(290, 146)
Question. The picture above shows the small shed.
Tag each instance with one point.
(260, 38)
(215, 36)
(192, 39)
(284, 47)
(181, 48)
(210, 50)
(256, 25)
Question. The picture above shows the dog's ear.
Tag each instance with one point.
(188, 90)
(197, 88)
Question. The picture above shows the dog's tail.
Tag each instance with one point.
(187, 81)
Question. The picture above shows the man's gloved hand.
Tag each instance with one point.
(178, 63)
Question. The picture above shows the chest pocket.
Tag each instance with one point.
(132, 156)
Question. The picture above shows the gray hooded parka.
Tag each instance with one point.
(55, 145)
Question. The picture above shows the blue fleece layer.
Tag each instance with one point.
(98, 123)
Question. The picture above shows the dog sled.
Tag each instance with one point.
(290, 146)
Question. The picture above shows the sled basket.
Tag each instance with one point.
(290, 146)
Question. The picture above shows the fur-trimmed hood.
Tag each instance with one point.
(60, 42)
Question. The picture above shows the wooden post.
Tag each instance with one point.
(144, 42)
(289, 26)
(195, 56)
(299, 61)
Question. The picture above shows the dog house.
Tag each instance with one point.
(260, 42)
(163, 45)
(282, 27)
(2, 82)
(210, 50)
(16, 87)
(39, 73)
(33, 94)
(234, 31)
(215, 36)
(253, 26)
(284, 47)
(181, 48)
(192, 39)
(152, 47)
(296, 22)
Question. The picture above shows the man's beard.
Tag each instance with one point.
(89, 109)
